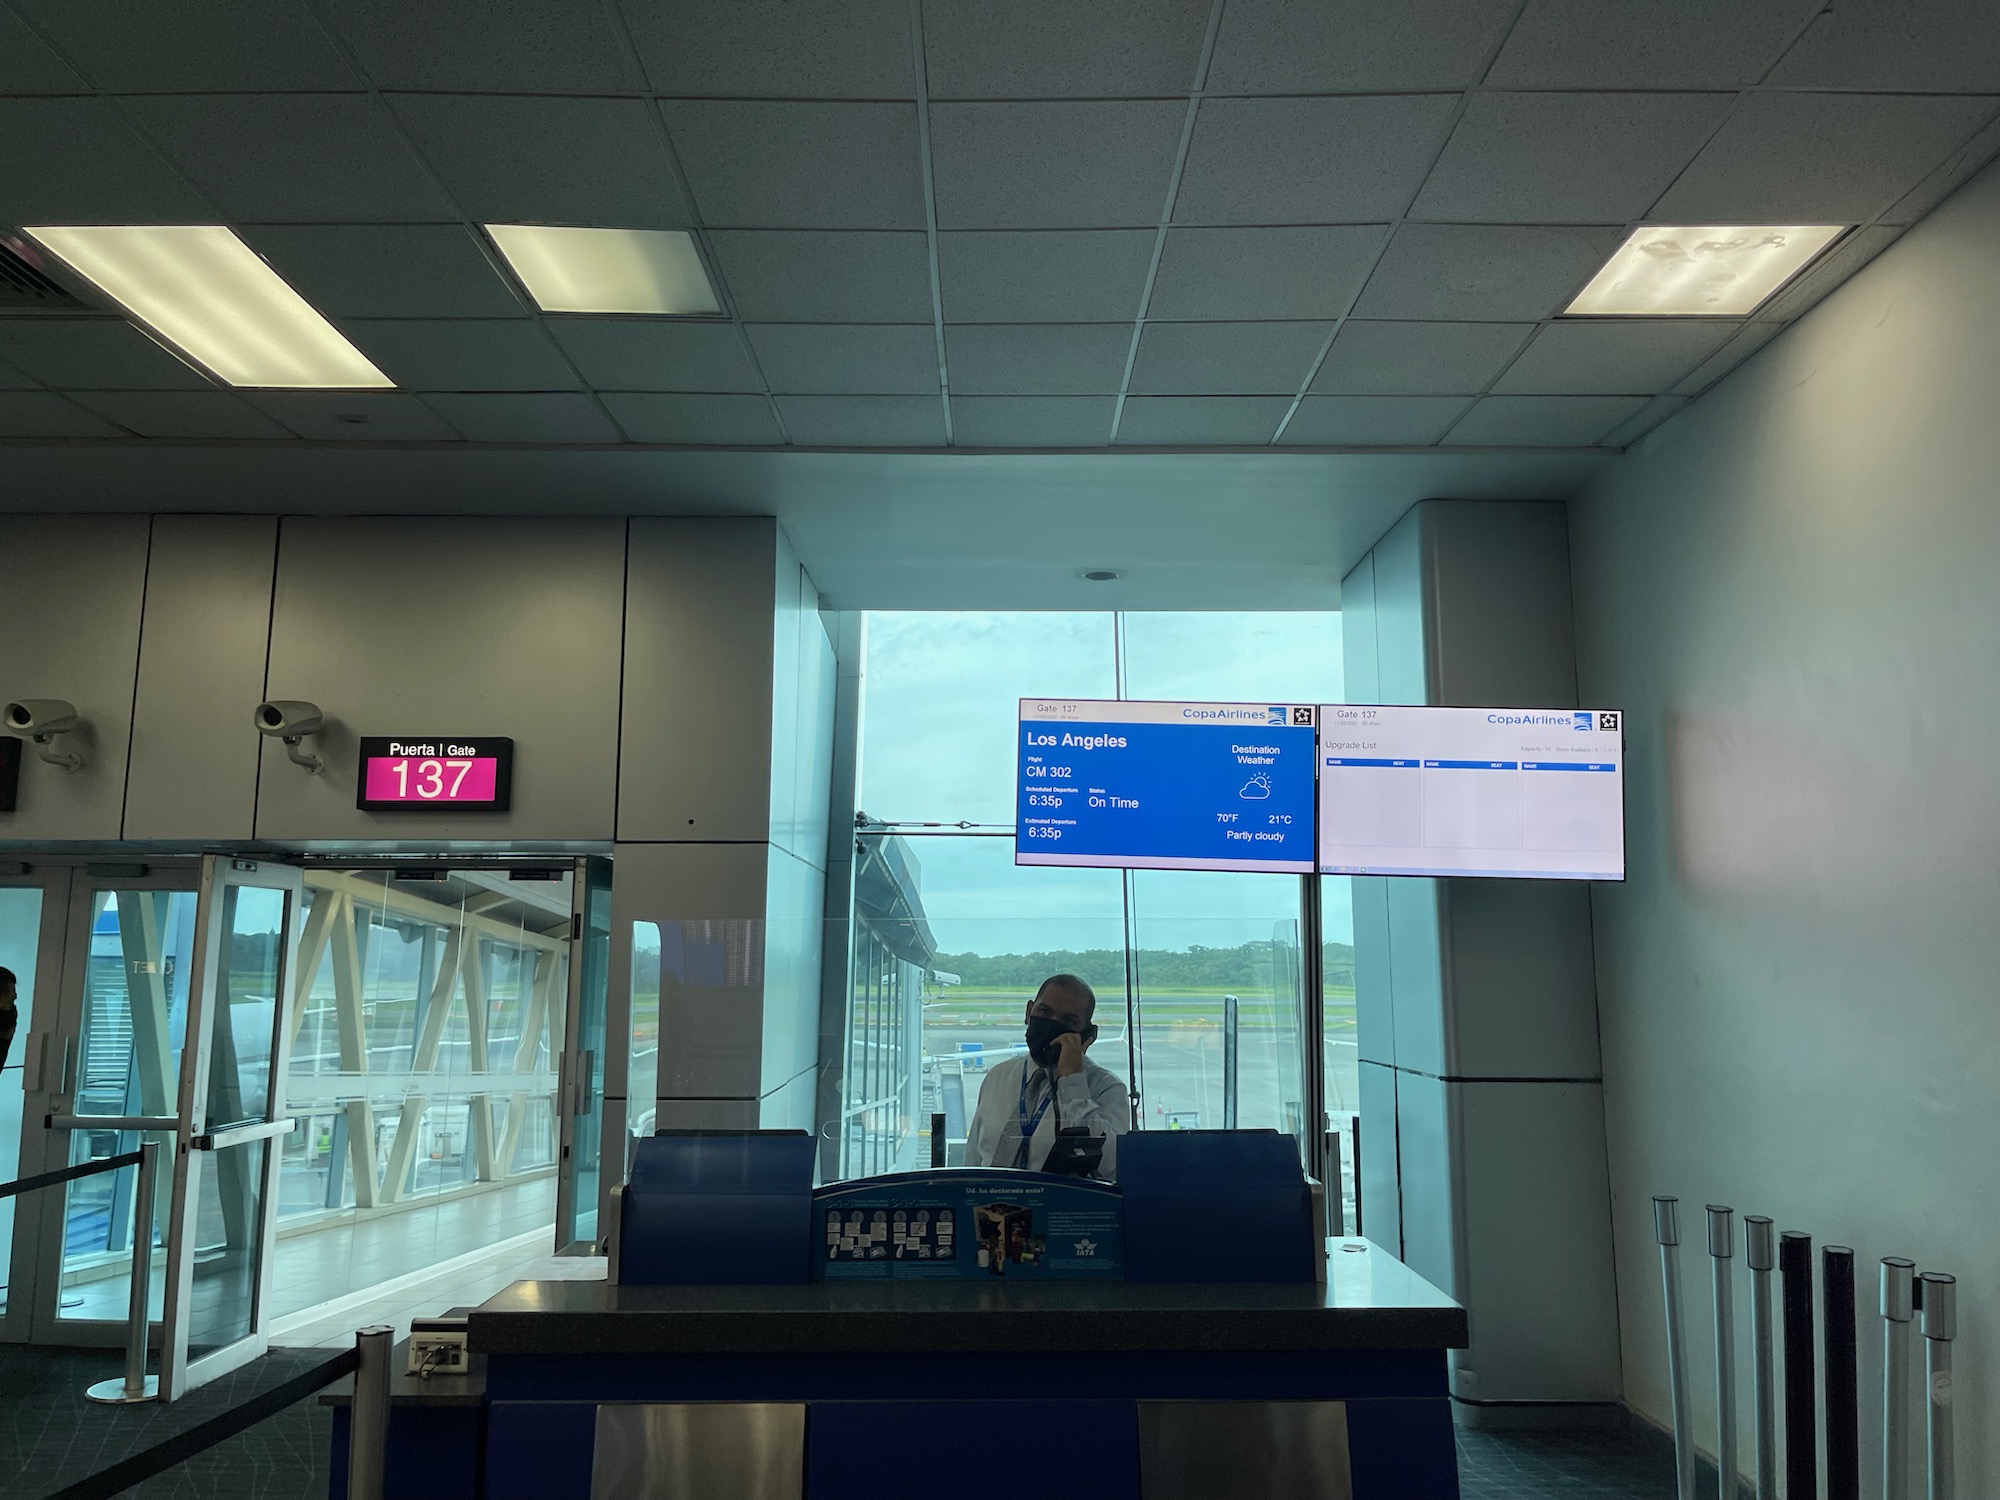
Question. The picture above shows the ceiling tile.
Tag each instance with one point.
(526, 160)
(800, 166)
(1355, 46)
(1031, 421)
(194, 44)
(1623, 358)
(1373, 421)
(1052, 49)
(1479, 273)
(856, 276)
(1251, 274)
(1046, 276)
(1650, 416)
(1947, 178)
(183, 414)
(733, 421)
(864, 421)
(1748, 340)
(355, 416)
(1221, 359)
(554, 417)
(463, 354)
(1830, 270)
(12, 379)
(501, 46)
(856, 358)
(1565, 158)
(387, 270)
(653, 354)
(1543, 421)
(1310, 161)
(1053, 166)
(45, 414)
(1937, 45)
(28, 66)
(1038, 359)
(1201, 421)
(774, 49)
(1818, 158)
(316, 157)
(1691, 44)
(95, 354)
(73, 161)
(1418, 359)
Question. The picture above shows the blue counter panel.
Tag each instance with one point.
(1274, 1376)
(432, 1453)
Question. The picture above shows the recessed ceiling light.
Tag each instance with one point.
(654, 271)
(203, 291)
(1100, 575)
(1701, 270)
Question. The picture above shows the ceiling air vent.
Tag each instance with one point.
(24, 288)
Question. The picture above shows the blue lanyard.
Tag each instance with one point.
(1021, 1108)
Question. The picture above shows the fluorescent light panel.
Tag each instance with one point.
(206, 293)
(1701, 270)
(655, 271)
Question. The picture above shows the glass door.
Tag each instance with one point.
(100, 1073)
(230, 1114)
(33, 904)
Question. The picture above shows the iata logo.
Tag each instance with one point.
(1085, 1247)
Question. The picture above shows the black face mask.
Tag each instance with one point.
(1042, 1034)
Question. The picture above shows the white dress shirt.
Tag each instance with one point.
(1094, 1100)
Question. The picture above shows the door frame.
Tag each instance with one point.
(58, 1069)
(195, 1147)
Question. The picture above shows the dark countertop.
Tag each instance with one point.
(1371, 1301)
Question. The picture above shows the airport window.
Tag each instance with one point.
(1199, 975)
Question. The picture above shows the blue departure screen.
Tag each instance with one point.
(1165, 786)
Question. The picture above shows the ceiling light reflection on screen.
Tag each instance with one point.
(206, 293)
(1703, 270)
(656, 271)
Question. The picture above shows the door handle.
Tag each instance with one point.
(32, 1053)
(237, 1135)
(113, 1122)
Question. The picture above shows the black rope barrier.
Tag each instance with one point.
(67, 1174)
(149, 1463)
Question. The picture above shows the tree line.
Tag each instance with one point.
(1246, 966)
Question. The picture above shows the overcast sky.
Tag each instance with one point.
(939, 726)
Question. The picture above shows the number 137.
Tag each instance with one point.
(430, 777)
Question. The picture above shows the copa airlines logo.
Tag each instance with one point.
(1084, 1248)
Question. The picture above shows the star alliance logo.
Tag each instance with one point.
(1085, 1248)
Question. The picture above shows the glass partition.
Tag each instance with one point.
(428, 1018)
(20, 941)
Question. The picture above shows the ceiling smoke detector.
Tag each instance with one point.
(1099, 575)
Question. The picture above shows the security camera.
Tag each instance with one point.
(42, 719)
(291, 720)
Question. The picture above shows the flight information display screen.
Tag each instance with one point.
(464, 775)
(1165, 786)
(1533, 794)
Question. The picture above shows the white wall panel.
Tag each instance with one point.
(73, 592)
(1790, 588)
(1524, 993)
(697, 721)
(1534, 1245)
(430, 626)
(203, 641)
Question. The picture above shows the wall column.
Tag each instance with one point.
(1481, 1086)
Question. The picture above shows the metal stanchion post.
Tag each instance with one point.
(937, 1140)
(1795, 1275)
(368, 1417)
(1760, 1248)
(1843, 1376)
(1722, 1261)
(1940, 1328)
(1667, 1230)
(137, 1385)
(1898, 1314)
